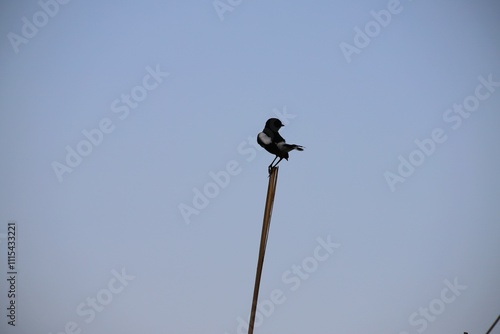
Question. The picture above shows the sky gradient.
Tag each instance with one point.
(131, 169)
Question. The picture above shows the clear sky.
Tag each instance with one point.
(129, 165)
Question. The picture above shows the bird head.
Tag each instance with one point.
(274, 124)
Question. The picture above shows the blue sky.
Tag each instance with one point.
(130, 166)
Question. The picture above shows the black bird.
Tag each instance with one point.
(272, 141)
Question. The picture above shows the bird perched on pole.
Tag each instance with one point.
(271, 140)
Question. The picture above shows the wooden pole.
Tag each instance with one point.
(271, 189)
(493, 326)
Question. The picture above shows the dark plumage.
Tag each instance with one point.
(271, 141)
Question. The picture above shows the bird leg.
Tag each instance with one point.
(277, 162)
(276, 157)
(275, 165)
(271, 165)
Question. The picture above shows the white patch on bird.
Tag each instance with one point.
(265, 138)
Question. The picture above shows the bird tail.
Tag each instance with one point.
(294, 147)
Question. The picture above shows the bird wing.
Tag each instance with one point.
(289, 147)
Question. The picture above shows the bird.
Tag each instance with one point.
(272, 142)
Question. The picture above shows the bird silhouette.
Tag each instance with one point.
(271, 141)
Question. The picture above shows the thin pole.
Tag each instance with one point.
(492, 326)
(271, 189)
